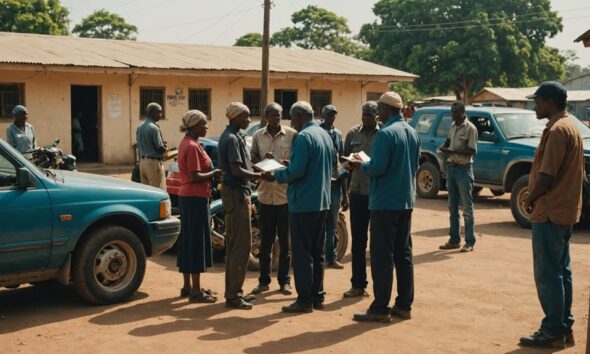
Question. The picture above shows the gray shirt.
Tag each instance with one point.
(149, 139)
(359, 139)
(232, 149)
(22, 140)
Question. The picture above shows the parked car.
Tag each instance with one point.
(508, 138)
(90, 231)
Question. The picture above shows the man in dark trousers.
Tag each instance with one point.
(308, 175)
(360, 138)
(393, 165)
(555, 201)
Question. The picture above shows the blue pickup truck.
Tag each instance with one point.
(90, 231)
(508, 138)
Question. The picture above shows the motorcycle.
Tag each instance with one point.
(51, 156)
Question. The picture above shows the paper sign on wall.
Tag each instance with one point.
(114, 106)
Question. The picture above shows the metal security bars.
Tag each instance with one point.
(200, 99)
(10, 96)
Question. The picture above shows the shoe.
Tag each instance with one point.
(248, 297)
(335, 265)
(318, 305)
(260, 288)
(403, 314)
(569, 338)
(184, 292)
(355, 292)
(449, 246)
(541, 340)
(297, 307)
(202, 297)
(467, 248)
(238, 303)
(286, 289)
(371, 317)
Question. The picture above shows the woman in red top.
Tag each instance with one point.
(196, 172)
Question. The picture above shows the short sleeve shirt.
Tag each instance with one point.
(232, 149)
(149, 139)
(22, 140)
(462, 136)
(192, 157)
(560, 154)
(360, 139)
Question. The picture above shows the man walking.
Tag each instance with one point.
(462, 145)
(360, 138)
(234, 161)
(151, 148)
(273, 142)
(20, 134)
(308, 176)
(392, 169)
(555, 199)
(338, 188)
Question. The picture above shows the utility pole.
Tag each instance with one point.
(265, 62)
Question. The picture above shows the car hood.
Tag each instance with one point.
(534, 142)
(92, 181)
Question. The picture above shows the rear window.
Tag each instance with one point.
(444, 126)
(424, 122)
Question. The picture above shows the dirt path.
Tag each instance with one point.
(480, 302)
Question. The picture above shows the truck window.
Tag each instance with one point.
(7, 173)
(425, 122)
(482, 124)
(444, 126)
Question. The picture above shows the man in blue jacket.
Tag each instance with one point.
(392, 169)
(309, 177)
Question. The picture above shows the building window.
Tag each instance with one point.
(319, 99)
(373, 96)
(10, 96)
(252, 100)
(200, 99)
(148, 95)
(286, 98)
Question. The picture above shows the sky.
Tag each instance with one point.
(221, 22)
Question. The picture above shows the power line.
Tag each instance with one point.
(232, 25)
(207, 19)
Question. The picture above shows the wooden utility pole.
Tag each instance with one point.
(265, 62)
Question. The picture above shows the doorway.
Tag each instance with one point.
(286, 98)
(86, 123)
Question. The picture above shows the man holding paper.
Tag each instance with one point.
(273, 142)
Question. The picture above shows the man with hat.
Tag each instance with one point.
(20, 134)
(555, 203)
(338, 189)
(234, 162)
(151, 148)
(392, 169)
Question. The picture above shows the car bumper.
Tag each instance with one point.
(165, 233)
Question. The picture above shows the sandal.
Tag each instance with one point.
(209, 291)
(202, 297)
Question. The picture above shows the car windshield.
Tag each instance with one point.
(517, 125)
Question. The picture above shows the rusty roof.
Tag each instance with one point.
(82, 53)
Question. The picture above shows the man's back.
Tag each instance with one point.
(149, 139)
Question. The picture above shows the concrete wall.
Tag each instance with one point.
(47, 96)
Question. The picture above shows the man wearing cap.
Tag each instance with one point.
(308, 175)
(234, 161)
(338, 189)
(555, 202)
(392, 169)
(151, 148)
(360, 138)
(20, 134)
(462, 145)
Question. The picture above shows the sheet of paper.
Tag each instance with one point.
(267, 165)
(362, 155)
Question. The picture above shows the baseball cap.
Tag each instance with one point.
(550, 90)
(329, 108)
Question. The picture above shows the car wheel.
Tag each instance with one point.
(427, 180)
(341, 240)
(109, 265)
(519, 193)
(497, 192)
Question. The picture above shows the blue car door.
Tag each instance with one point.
(25, 221)
(486, 163)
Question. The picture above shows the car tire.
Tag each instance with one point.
(109, 265)
(497, 192)
(518, 196)
(341, 237)
(428, 180)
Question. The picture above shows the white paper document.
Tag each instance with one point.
(364, 157)
(268, 165)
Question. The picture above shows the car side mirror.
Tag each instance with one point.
(487, 136)
(24, 178)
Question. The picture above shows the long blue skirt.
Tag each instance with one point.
(194, 244)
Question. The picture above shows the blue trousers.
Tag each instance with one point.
(460, 188)
(332, 223)
(553, 276)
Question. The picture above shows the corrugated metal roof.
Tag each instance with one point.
(20, 48)
(578, 95)
(519, 94)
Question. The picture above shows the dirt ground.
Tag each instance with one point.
(480, 302)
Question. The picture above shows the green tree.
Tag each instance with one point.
(251, 39)
(573, 70)
(34, 16)
(462, 46)
(107, 25)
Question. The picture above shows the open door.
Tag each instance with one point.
(86, 123)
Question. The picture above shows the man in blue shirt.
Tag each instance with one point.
(308, 175)
(392, 169)
(20, 134)
(151, 148)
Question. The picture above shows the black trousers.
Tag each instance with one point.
(274, 221)
(308, 232)
(391, 246)
(359, 226)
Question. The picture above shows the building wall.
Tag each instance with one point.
(579, 83)
(47, 96)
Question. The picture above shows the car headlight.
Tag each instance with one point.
(165, 208)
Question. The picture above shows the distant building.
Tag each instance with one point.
(504, 97)
(108, 83)
(578, 92)
(584, 38)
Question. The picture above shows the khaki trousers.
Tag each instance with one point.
(152, 173)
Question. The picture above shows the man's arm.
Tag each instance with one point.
(347, 144)
(235, 161)
(156, 136)
(298, 163)
(10, 137)
(380, 157)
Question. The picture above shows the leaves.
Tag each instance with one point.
(103, 24)
(34, 16)
(251, 39)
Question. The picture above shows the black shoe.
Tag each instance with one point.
(371, 317)
(184, 292)
(541, 340)
(355, 292)
(238, 303)
(335, 265)
(403, 314)
(248, 297)
(569, 338)
(449, 246)
(318, 305)
(286, 289)
(297, 307)
(260, 288)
